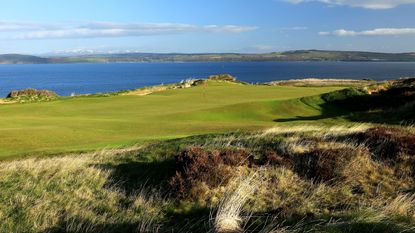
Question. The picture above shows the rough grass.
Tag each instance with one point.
(299, 179)
(70, 194)
(322, 176)
(314, 82)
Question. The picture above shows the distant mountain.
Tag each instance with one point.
(298, 55)
(22, 59)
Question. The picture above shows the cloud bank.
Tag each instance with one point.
(32, 31)
(373, 32)
(368, 4)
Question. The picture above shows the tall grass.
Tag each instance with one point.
(366, 194)
(299, 179)
(71, 194)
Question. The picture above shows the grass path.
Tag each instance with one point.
(88, 123)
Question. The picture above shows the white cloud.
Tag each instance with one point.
(368, 4)
(374, 32)
(111, 29)
(24, 26)
(324, 33)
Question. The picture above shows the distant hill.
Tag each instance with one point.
(346, 56)
(298, 55)
(21, 59)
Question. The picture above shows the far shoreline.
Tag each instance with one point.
(224, 61)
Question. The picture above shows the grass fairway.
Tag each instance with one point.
(88, 123)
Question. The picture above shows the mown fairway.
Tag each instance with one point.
(86, 123)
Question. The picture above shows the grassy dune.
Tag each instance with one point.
(88, 123)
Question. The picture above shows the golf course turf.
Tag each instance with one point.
(96, 122)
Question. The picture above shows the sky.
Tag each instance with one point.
(200, 26)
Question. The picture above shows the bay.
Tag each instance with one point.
(67, 79)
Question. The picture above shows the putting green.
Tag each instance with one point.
(87, 123)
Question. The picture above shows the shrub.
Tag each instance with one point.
(343, 94)
(222, 77)
(30, 94)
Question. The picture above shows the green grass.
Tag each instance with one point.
(89, 123)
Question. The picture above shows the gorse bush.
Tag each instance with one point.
(31, 92)
(222, 77)
(31, 95)
(393, 99)
(345, 94)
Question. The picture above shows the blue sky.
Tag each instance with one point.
(191, 26)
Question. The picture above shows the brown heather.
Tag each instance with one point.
(196, 166)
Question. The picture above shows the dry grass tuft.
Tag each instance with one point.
(318, 130)
(228, 217)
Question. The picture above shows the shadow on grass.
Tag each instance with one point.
(303, 118)
(392, 106)
(360, 228)
(86, 226)
(152, 167)
(179, 225)
(133, 176)
(202, 225)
